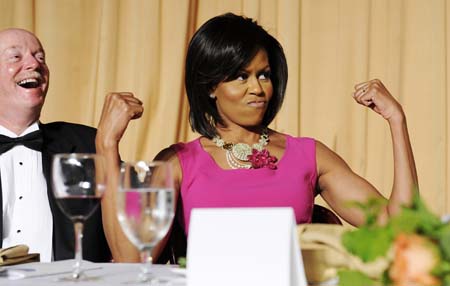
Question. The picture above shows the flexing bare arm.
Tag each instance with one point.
(118, 110)
(340, 184)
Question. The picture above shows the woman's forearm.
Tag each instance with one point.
(405, 184)
(118, 109)
(121, 248)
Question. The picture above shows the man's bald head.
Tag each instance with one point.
(16, 30)
(24, 77)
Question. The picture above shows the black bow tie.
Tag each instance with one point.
(32, 140)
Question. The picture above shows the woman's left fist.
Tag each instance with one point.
(374, 95)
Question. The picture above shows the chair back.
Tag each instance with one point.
(323, 215)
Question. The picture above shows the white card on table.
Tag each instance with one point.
(244, 246)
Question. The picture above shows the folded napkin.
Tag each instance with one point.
(323, 253)
(16, 255)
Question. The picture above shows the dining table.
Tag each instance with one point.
(95, 274)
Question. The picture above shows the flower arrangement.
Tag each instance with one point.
(415, 244)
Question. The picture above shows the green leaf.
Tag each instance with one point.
(408, 221)
(416, 219)
(182, 262)
(386, 279)
(443, 236)
(446, 280)
(371, 209)
(354, 278)
(442, 269)
(368, 243)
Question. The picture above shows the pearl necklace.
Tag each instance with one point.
(240, 152)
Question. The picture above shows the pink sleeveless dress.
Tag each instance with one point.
(292, 184)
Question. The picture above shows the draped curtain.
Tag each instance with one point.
(98, 46)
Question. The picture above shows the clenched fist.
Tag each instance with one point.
(374, 95)
(119, 108)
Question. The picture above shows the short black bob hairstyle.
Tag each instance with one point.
(218, 51)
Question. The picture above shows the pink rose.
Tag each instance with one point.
(415, 256)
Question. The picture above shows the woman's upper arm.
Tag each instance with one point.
(340, 185)
(169, 155)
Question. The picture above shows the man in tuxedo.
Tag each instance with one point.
(29, 213)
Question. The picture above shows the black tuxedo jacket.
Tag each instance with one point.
(63, 137)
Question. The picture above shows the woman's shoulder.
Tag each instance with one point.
(284, 139)
(312, 144)
(184, 146)
(172, 155)
(179, 150)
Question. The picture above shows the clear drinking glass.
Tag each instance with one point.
(145, 207)
(78, 185)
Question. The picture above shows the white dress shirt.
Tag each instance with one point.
(27, 218)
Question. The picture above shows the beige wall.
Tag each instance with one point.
(96, 46)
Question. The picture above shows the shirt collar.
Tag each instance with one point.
(9, 133)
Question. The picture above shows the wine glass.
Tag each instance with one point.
(78, 185)
(145, 207)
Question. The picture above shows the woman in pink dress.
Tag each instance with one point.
(236, 76)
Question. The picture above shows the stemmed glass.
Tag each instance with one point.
(78, 185)
(145, 207)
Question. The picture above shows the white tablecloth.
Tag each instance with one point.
(47, 274)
